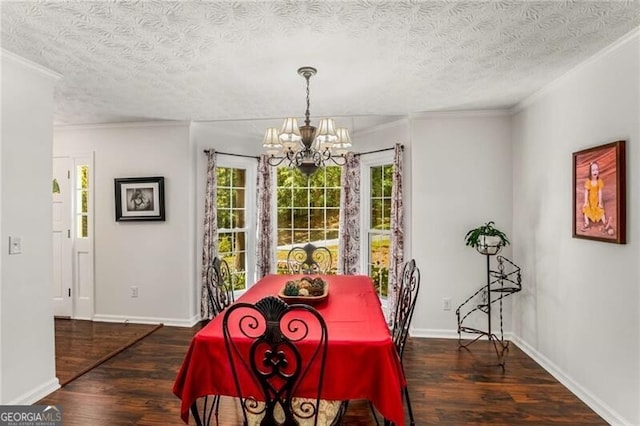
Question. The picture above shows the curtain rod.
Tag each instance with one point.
(206, 151)
(378, 150)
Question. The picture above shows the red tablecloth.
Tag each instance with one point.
(362, 362)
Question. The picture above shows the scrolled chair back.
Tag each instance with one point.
(405, 304)
(309, 260)
(219, 285)
(271, 348)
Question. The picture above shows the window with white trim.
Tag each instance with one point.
(235, 188)
(308, 210)
(376, 172)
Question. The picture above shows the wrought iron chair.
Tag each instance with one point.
(219, 285)
(263, 343)
(405, 304)
(309, 260)
(220, 293)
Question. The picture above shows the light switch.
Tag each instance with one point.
(15, 245)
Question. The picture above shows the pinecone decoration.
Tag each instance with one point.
(317, 287)
(291, 289)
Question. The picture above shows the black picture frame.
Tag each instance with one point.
(600, 216)
(139, 199)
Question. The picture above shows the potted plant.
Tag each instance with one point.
(486, 238)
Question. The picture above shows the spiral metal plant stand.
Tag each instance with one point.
(501, 283)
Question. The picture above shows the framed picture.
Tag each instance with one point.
(140, 198)
(599, 207)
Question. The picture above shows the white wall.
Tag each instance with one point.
(579, 310)
(27, 361)
(461, 166)
(157, 257)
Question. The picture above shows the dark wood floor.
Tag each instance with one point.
(448, 387)
(80, 345)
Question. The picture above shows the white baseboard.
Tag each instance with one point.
(173, 322)
(597, 405)
(435, 333)
(36, 394)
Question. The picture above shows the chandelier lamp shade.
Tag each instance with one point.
(306, 147)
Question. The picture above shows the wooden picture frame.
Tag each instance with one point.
(599, 190)
(139, 199)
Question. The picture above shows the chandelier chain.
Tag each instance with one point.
(306, 114)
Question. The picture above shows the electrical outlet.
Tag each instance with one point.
(15, 245)
(134, 291)
(446, 303)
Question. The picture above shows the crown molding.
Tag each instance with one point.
(380, 127)
(461, 113)
(551, 87)
(30, 64)
(124, 124)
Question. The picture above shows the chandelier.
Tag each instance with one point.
(306, 147)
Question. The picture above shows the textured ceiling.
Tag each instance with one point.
(221, 60)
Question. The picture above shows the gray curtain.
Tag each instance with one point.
(349, 236)
(397, 229)
(264, 247)
(210, 238)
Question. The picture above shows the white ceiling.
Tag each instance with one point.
(223, 60)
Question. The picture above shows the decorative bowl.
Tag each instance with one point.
(304, 286)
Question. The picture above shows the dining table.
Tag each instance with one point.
(362, 361)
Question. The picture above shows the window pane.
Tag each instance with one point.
(223, 198)
(283, 178)
(333, 197)
(82, 226)
(223, 176)
(284, 217)
(285, 236)
(316, 197)
(332, 234)
(238, 218)
(300, 198)
(333, 218)
(376, 214)
(224, 218)
(83, 177)
(299, 180)
(379, 262)
(284, 197)
(238, 177)
(238, 197)
(317, 180)
(301, 236)
(316, 216)
(317, 236)
(300, 218)
(84, 203)
(386, 212)
(376, 181)
(388, 180)
(333, 177)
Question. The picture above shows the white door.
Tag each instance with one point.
(62, 243)
(82, 234)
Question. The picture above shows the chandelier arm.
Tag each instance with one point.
(325, 154)
(338, 160)
(318, 158)
(273, 160)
